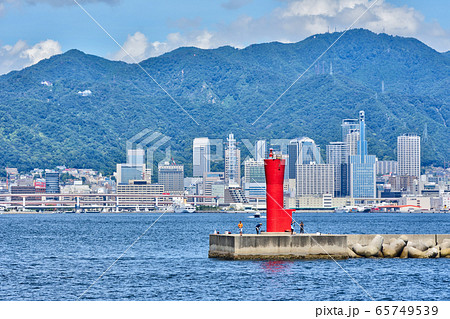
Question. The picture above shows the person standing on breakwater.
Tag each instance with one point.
(302, 228)
(292, 227)
(241, 226)
(258, 228)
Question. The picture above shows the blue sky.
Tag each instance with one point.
(31, 30)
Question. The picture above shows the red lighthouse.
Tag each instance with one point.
(278, 218)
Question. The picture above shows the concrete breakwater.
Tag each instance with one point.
(321, 246)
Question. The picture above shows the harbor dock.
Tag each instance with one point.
(282, 246)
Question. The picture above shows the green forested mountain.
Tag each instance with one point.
(225, 90)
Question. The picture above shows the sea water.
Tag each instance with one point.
(59, 257)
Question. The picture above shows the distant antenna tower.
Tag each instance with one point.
(425, 132)
(331, 68)
(382, 86)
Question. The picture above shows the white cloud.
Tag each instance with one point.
(21, 55)
(295, 20)
(140, 48)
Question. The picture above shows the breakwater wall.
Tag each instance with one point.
(320, 246)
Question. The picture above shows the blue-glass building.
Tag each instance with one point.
(362, 167)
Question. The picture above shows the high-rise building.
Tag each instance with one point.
(408, 155)
(254, 178)
(52, 183)
(352, 139)
(302, 151)
(201, 156)
(135, 156)
(362, 167)
(315, 179)
(387, 167)
(260, 150)
(348, 126)
(172, 177)
(337, 155)
(232, 162)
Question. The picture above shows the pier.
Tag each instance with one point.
(282, 246)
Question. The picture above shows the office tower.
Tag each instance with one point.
(315, 179)
(337, 155)
(201, 156)
(254, 178)
(128, 172)
(348, 126)
(362, 167)
(172, 177)
(135, 156)
(352, 140)
(232, 162)
(52, 183)
(408, 155)
(260, 150)
(387, 167)
(254, 172)
(302, 151)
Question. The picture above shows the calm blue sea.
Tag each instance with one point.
(58, 256)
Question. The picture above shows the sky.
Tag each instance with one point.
(32, 30)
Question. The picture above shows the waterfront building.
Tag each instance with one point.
(209, 179)
(232, 162)
(408, 155)
(172, 177)
(387, 167)
(233, 195)
(128, 172)
(315, 179)
(338, 155)
(260, 150)
(139, 188)
(362, 167)
(302, 151)
(52, 183)
(201, 156)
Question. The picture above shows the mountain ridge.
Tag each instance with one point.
(226, 90)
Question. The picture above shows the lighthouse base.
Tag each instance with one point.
(277, 246)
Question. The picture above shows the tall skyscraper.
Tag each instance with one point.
(348, 126)
(362, 167)
(260, 150)
(338, 155)
(408, 155)
(302, 151)
(232, 162)
(201, 156)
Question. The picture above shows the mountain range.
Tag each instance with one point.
(78, 110)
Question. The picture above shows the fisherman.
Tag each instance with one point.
(258, 228)
(241, 226)
(302, 228)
